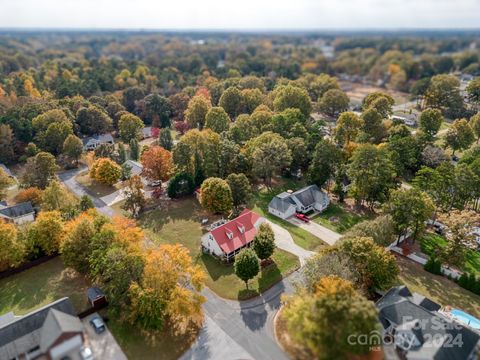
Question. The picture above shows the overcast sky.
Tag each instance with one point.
(240, 14)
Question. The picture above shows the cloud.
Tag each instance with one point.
(244, 14)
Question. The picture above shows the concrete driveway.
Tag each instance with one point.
(284, 240)
(327, 235)
(68, 179)
(104, 346)
(114, 197)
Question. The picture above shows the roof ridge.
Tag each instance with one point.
(41, 309)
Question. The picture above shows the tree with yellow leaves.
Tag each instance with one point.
(47, 232)
(169, 291)
(12, 249)
(105, 171)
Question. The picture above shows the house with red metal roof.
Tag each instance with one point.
(225, 241)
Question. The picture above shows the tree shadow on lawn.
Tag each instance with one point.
(47, 282)
(443, 290)
(215, 268)
(254, 313)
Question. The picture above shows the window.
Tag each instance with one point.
(34, 349)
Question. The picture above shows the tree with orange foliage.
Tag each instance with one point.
(33, 194)
(128, 232)
(157, 163)
(169, 291)
(203, 91)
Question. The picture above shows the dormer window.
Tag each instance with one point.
(241, 228)
(229, 234)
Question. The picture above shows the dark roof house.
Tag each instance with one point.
(18, 213)
(36, 332)
(309, 198)
(420, 331)
(91, 143)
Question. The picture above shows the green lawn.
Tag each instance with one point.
(40, 285)
(437, 288)
(223, 280)
(94, 188)
(179, 222)
(138, 345)
(259, 204)
(338, 219)
(430, 242)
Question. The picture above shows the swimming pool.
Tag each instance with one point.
(468, 319)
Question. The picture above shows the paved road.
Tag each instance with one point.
(327, 235)
(284, 240)
(68, 178)
(232, 329)
(247, 326)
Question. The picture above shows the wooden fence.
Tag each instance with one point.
(26, 266)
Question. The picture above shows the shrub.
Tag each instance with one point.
(433, 266)
(179, 185)
(470, 282)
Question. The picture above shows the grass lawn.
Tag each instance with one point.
(40, 285)
(338, 219)
(431, 241)
(259, 204)
(222, 279)
(179, 222)
(138, 345)
(92, 187)
(437, 288)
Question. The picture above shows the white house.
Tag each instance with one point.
(147, 132)
(91, 143)
(309, 198)
(18, 214)
(409, 121)
(226, 240)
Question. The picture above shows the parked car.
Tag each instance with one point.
(302, 217)
(86, 353)
(437, 226)
(98, 324)
(155, 183)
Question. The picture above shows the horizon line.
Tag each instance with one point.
(243, 30)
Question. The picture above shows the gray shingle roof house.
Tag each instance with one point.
(418, 331)
(54, 331)
(136, 168)
(91, 143)
(309, 198)
(18, 213)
